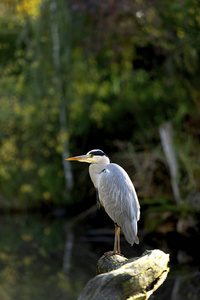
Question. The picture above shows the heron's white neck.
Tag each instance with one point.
(95, 169)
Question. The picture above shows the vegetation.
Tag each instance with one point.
(79, 75)
(115, 86)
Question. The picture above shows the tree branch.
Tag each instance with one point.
(59, 90)
(167, 144)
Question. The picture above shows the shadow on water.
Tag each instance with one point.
(32, 252)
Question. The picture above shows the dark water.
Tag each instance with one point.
(31, 259)
(32, 250)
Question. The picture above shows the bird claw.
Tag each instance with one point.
(111, 253)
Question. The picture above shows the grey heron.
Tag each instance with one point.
(115, 193)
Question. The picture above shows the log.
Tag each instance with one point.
(120, 278)
(166, 137)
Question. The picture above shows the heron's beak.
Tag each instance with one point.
(81, 158)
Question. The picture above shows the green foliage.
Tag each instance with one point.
(119, 84)
(30, 152)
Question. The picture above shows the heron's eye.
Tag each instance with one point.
(90, 155)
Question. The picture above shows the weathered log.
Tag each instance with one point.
(167, 144)
(121, 278)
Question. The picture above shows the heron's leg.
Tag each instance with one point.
(116, 240)
(118, 233)
(116, 244)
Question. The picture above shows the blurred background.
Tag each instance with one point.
(122, 76)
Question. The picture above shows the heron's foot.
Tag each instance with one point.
(111, 253)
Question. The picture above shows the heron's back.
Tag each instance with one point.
(117, 195)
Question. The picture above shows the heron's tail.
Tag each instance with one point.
(130, 231)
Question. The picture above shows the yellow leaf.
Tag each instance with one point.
(26, 237)
(47, 231)
(46, 195)
(30, 8)
(26, 188)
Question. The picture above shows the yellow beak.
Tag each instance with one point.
(81, 158)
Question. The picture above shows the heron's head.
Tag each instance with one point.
(95, 156)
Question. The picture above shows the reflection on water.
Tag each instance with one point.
(31, 260)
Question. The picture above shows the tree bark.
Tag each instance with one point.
(58, 84)
(121, 278)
